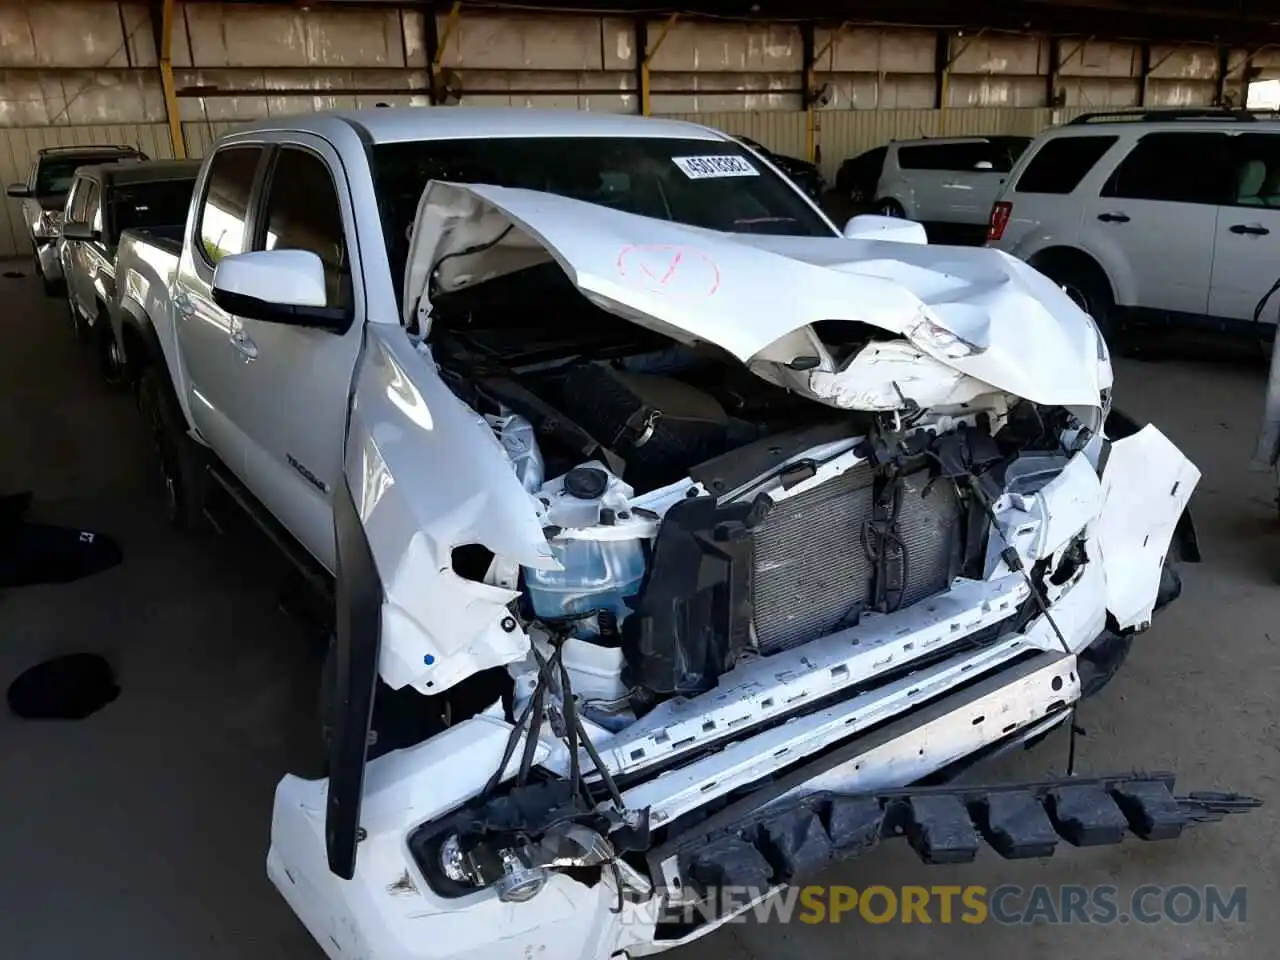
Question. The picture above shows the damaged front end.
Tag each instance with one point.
(666, 551)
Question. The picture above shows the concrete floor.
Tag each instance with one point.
(143, 829)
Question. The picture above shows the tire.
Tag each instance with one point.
(890, 208)
(110, 360)
(79, 329)
(1088, 288)
(1099, 662)
(182, 462)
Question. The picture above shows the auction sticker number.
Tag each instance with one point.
(706, 168)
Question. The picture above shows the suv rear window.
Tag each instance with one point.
(1060, 165)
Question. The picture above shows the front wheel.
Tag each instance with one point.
(79, 329)
(110, 359)
(183, 468)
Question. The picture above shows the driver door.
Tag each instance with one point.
(293, 382)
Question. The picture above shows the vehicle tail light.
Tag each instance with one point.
(1000, 213)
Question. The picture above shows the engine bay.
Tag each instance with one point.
(703, 515)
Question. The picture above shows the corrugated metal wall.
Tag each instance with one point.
(841, 134)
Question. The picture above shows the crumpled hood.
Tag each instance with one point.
(747, 292)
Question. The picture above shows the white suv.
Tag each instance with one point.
(948, 184)
(1167, 215)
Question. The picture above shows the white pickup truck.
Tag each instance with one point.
(700, 533)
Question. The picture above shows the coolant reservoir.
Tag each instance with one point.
(600, 544)
(597, 575)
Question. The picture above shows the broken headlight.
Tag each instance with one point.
(472, 864)
(933, 337)
(516, 867)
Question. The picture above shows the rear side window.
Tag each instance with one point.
(1175, 168)
(225, 207)
(1255, 159)
(161, 203)
(945, 156)
(1060, 165)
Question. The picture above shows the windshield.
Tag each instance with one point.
(54, 174)
(712, 184)
(162, 203)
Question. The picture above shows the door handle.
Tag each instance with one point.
(1252, 229)
(244, 346)
(1114, 217)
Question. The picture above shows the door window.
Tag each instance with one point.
(303, 213)
(1175, 168)
(1059, 165)
(225, 207)
(1255, 159)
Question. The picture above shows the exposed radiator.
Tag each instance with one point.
(811, 573)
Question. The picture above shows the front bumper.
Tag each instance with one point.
(896, 699)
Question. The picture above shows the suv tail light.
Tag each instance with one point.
(1000, 213)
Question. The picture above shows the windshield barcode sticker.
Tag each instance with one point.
(704, 168)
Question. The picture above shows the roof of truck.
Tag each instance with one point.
(397, 124)
(145, 171)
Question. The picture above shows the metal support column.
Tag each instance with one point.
(812, 59)
(1144, 70)
(431, 45)
(441, 44)
(1051, 79)
(646, 56)
(944, 83)
(165, 48)
(1224, 66)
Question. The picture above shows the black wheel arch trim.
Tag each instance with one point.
(357, 647)
(146, 332)
(1120, 425)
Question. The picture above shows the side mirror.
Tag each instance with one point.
(872, 226)
(984, 165)
(19, 191)
(277, 286)
(80, 231)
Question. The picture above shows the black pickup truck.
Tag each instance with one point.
(103, 201)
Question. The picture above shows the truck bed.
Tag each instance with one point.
(167, 238)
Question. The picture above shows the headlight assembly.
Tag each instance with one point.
(932, 337)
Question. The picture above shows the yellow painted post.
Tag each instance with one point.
(645, 102)
(450, 25)
(166, 81)
(811, 116)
